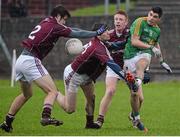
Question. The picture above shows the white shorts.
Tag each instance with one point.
(131, 63)
(29, 68)
(111, 73)
(73, 80)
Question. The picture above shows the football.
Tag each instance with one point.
(74, 46)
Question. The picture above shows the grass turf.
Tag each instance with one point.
(160, 112)
(99, 10)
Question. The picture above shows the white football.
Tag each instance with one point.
(74, 46)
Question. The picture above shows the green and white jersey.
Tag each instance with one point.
(147, 33)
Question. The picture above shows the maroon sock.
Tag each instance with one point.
(46, 111)
(100, 118)
(9, 119)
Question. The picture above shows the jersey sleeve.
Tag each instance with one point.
(63, 30)
(137, 27)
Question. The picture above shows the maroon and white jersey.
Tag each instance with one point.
(92, 61)
(118, 54)
(44, 36)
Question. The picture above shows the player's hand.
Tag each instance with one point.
(156, 51)
(131, 82)
(102, 29)
(166, 67)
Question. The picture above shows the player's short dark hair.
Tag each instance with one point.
(157, 10)
(122, 13)
(62, 11)
(97, 26)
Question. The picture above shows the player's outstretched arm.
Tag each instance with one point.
(116, 68)
(80, 33)
(115, 45)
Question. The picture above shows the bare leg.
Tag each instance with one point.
(137, 97)
(111, 83)
(90, 104)
(16, 105)
(90, 98)
(135, 100)
(20, 100)
(68, 101)
(47, 85)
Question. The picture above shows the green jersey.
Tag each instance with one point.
(147, 33)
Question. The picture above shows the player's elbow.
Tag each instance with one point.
(133, 42)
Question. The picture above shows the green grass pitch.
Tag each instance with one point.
(160, 112)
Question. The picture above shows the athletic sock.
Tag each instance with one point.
(136, 115)
(89, 118)
(9, 119)
(100, 118)
(46, 111)
(138, 80)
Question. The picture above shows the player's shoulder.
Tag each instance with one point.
(96, 43)
(139, 22)
(91, 44)
(48, 20)
(52, 21)
(157, 26)
(126, 31)
(141, 19)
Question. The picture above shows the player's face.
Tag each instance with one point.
(120, 22)
(105, 36)
(60, 20)
(153, 18)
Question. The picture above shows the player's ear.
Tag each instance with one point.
(58, 17)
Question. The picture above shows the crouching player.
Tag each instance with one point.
(83, 72)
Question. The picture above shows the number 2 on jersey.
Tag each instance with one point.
(36, 29)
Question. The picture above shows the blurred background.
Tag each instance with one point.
(18, 17)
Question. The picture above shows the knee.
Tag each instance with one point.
(70, 110)
(53, 92)
(111, 92)
(141, 99)
(134, 94)
(28, 96)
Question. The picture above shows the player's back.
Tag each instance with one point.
(43, 37)
(93, 60)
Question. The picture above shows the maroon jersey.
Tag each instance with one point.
(117, 55)
(93, 59)
(44, 36)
